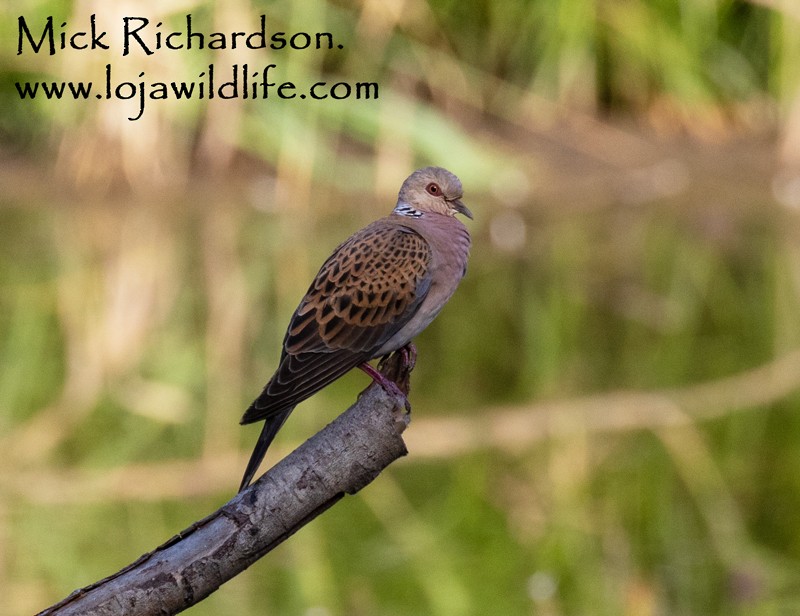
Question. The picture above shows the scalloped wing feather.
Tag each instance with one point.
(364, 293)
(369, 284)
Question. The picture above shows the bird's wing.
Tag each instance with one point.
(364, 293)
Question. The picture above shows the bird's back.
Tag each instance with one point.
(363, 295)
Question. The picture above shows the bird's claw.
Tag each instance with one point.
(397, 366)
(393, 373)
(409, 355)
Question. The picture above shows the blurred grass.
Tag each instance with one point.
(626, 161)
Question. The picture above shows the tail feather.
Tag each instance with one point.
(268, 432)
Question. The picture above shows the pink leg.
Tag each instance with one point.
(388, 385)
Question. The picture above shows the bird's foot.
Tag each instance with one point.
(409, 355)
(397, 366)
(389, 386)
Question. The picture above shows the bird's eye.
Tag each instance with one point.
(433, 189)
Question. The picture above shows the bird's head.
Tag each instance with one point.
(431, 189)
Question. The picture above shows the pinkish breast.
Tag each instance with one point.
(450, 244)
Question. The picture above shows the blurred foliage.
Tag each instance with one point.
(631, 304)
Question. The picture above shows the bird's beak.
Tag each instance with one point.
(461, 208)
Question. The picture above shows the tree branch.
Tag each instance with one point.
(340, 459)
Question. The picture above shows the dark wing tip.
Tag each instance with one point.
(250, 416)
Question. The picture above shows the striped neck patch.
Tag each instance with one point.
(404, 209)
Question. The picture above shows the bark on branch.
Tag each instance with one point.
(341, 459)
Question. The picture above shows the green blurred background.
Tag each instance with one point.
(605, 416)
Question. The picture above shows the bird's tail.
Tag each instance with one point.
(268, 432)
